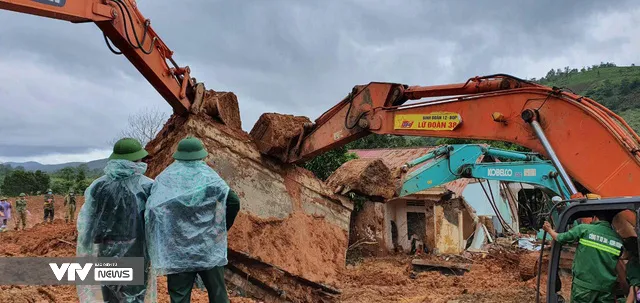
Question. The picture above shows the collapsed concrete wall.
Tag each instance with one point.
(289, 218)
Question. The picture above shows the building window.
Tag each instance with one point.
(416, 225)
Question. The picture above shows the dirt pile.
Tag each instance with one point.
(389, 280)
(368, 177)
(273, 132)
(59, 240)
(367, 234)
(222, 106)
(300, 244)
(43, 239)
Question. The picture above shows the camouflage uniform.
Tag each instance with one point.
(48, 207)
(70, 203)
(21, 208)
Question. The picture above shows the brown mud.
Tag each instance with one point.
(273, 132)
(368, 177)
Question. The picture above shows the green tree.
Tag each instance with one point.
(324, 165)
(42, 180)
(67, 173)
(390, 141)
(624, 87)
(81, 180)
(20, 181)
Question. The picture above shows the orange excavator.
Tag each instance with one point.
(582, 138)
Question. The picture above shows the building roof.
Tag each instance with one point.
(395, 158)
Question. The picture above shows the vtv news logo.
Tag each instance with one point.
(71, 269)
(100, 274)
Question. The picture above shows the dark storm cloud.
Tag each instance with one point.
(278, 56)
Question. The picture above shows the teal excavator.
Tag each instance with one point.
(450, 162)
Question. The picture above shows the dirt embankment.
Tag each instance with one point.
(318, 246)
(59, 240)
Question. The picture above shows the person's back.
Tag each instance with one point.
(594, 265)
(119, 207)
(111, 221)
(187, 218)
(599, 244)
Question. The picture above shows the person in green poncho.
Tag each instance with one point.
(188, 214)
(111, 221)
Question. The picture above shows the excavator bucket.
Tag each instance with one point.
(275, 133)
(366, 177)
(291, 235)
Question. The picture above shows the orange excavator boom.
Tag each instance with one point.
(597, 147)
(130, 32)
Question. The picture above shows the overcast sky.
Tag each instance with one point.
(64, 96)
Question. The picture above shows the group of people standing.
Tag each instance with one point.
(21, 209)
(177, 222)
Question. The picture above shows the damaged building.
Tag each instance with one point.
(445, 219)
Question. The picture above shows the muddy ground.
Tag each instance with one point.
(492, 278)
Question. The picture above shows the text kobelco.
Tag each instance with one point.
(499, 172)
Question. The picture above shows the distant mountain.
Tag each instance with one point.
(50, 168)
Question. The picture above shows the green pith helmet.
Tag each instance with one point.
(128, 149)
(189, 149)
(49, 190)
(22, 195)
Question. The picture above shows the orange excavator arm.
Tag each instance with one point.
(131, 33)
(597, 147)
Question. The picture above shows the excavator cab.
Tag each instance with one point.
(625, 223)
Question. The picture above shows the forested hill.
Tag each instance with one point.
(616, 87)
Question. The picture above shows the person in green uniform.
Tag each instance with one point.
(594, 264)
(21, 208)
(70, 203)
(188, 214)
(48, 206)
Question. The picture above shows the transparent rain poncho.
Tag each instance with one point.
(185, 219)
(111, 224)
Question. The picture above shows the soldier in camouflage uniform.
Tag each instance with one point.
(70, 203)
(21, 208)
(48, 206)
